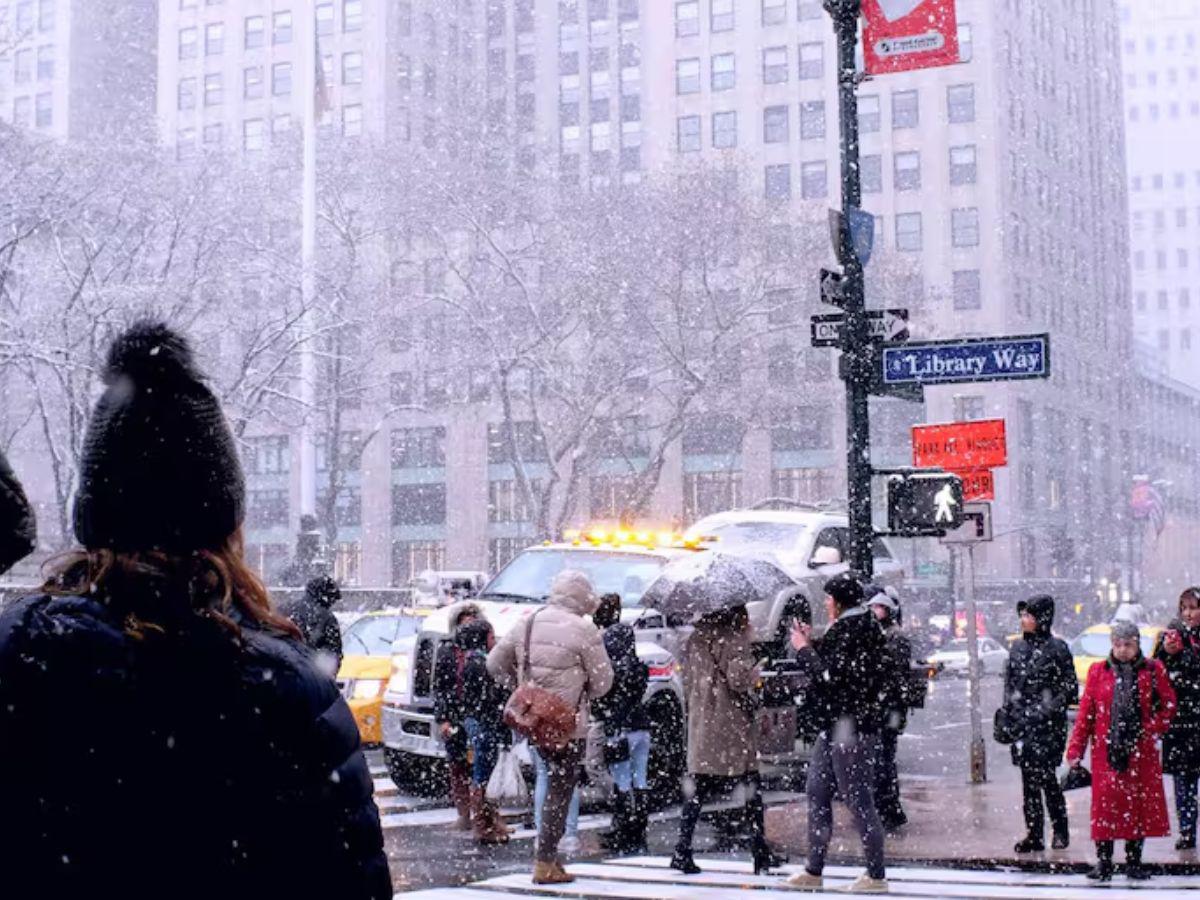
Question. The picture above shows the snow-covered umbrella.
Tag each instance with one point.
(693, 586)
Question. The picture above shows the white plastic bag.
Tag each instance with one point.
(521, 752)
(506, 787)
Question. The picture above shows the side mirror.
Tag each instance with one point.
(825, 556)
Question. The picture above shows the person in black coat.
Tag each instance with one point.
(163, 731)
(1178, 649)
(313, 615)
(895, 717)
(18, 530)
(1039, 686)
(449, 713)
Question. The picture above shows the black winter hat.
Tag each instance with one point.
(1041, 607)
(323, 590)
(159, 469)
(846, 590)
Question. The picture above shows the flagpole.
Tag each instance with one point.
(308, 241)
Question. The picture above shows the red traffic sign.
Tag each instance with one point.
(977, 484)
(961, 445)
(902, 35)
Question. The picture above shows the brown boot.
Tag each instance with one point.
(551, 873)
(496, 827)
(460, 794)
(484, 817)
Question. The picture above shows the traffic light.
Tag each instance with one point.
(924, 504)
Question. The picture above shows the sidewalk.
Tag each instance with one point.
(971, 826)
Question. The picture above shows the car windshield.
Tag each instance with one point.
(756, 535)
(373, 635)
(1099, 643)
(530, 574)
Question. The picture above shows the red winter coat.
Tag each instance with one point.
(1125, 805)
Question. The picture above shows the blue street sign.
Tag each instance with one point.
(862, 234)
(973, 359)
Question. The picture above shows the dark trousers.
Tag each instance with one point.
(845, 768)
(562, 768)
(1185, 802)
(1037, 781)
(887, 778)
(710, 787)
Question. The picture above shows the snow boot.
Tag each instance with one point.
(640, 822)
(1103, 870)
(1134, 870)
(551, 873)
(618, 835)
(683, 862)
(489, 827)
(460, 794)
(1030, 844)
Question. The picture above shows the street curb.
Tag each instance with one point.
(1043, 867)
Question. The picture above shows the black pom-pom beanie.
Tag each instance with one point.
(160, 469)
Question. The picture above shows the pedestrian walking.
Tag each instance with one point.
(483, 719)
(721, 683)
(203, 754)
(886, 609)
(449, 711)
(626, 724)
(563, 653)
(18, 529)
(313, 615)
(1126, 707)
(1039, 686)
(1178, 650)
(847, 670)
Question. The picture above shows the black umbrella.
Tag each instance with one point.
(693, 586)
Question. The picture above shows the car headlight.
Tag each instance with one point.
(367, 688)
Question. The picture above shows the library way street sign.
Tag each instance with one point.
(968, 360)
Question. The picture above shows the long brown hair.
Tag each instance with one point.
(157, 592)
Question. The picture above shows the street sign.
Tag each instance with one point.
(968, 360)
(889, 325)
(859, 227)
(901, 35)
(833, 288)
(976, 527)
(978, 484)
(980, 444)
(924, 504)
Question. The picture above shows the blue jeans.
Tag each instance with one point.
(485, 748)
(541, 788)
(633, 772)
(1185, 802)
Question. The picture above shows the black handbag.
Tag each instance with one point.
(1004, 730)
(1077, 777)
(616, 750)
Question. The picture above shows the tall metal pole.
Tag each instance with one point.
(978, 751)
(308, 241)
(856, 351)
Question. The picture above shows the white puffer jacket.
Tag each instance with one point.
(566, 654)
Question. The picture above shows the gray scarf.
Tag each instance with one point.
(1126, 725)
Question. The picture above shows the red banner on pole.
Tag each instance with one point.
(902, 35)
(980, 444)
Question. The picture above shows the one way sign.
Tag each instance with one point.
(887, 325)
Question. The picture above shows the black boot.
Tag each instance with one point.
(1061, 840)
(682, 861)
(1103, 870)
(639, 821)
(1134, 870)
(617, 836)
(1030, 844)
(1187, 841)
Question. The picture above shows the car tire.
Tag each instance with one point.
(416, 775)
(668, 750)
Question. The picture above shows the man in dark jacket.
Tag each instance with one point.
(848, 668)
(1039, 686)
(313, 615)
(18, 531)
(896, 697)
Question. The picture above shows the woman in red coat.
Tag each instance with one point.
(1126, 707)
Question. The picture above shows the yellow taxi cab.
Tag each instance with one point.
(368, 665)
(1092, 645)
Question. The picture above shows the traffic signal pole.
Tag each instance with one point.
(856, 349)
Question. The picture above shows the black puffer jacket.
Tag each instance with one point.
(182, 765)
(482, 699)
(896, 685)
(848, 667)
(18, 531)
(1181, 744)
(1039, 686)
(313, 615)
(621, 709)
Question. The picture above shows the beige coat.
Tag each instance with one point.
(566, 654)
(716, 665)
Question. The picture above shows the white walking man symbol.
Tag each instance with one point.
(945, 504)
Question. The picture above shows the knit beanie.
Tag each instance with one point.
(159, 469)
(846, 589)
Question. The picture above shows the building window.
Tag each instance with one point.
(1164, 339)
(530, 445)
(871, 170)
(281, 79)
(418, 448)
(812, 61)
(687, 76)
(281, 28)
(266, 508)
(419, 504)
(324, 19)
(44, 111)
(778, 182)
(774, 12)
(352, 120)
(411, 558)
(722, 15)
(964, 227)
(724, 130)
(689, 134)
(502, 551)
(187, 43)
(252, 135)
(906, 110)
(687, 18)
(352, 68)
(808, 10)
(347, 507)
(506, 501)
(46, 15)
(775, 125)
(802, 428)
(45, 63)
(968, 293)
(186, 94)
(814, 180)
(908, 232)
(908, 171)
(804, 485)
(724, 73)
(705, 493)
(812, 120)
(253, 83)
(1185, 339)
(962, 165)
(960, 102)
(214, 89)
(868, 114)
(966, 43)
(22, 111)
(352, 15)
(775, 65)
(255, 31)
(214, 39)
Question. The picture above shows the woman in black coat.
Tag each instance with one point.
(164, 732)
(1178, 649)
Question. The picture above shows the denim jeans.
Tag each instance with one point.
(541, 788)
(632, 774)
(1185, 802)
(485, 748)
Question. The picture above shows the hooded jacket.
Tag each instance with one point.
(313, 615)
(1039, 686)
(621, 709)
(566, 654)
(18, 531)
